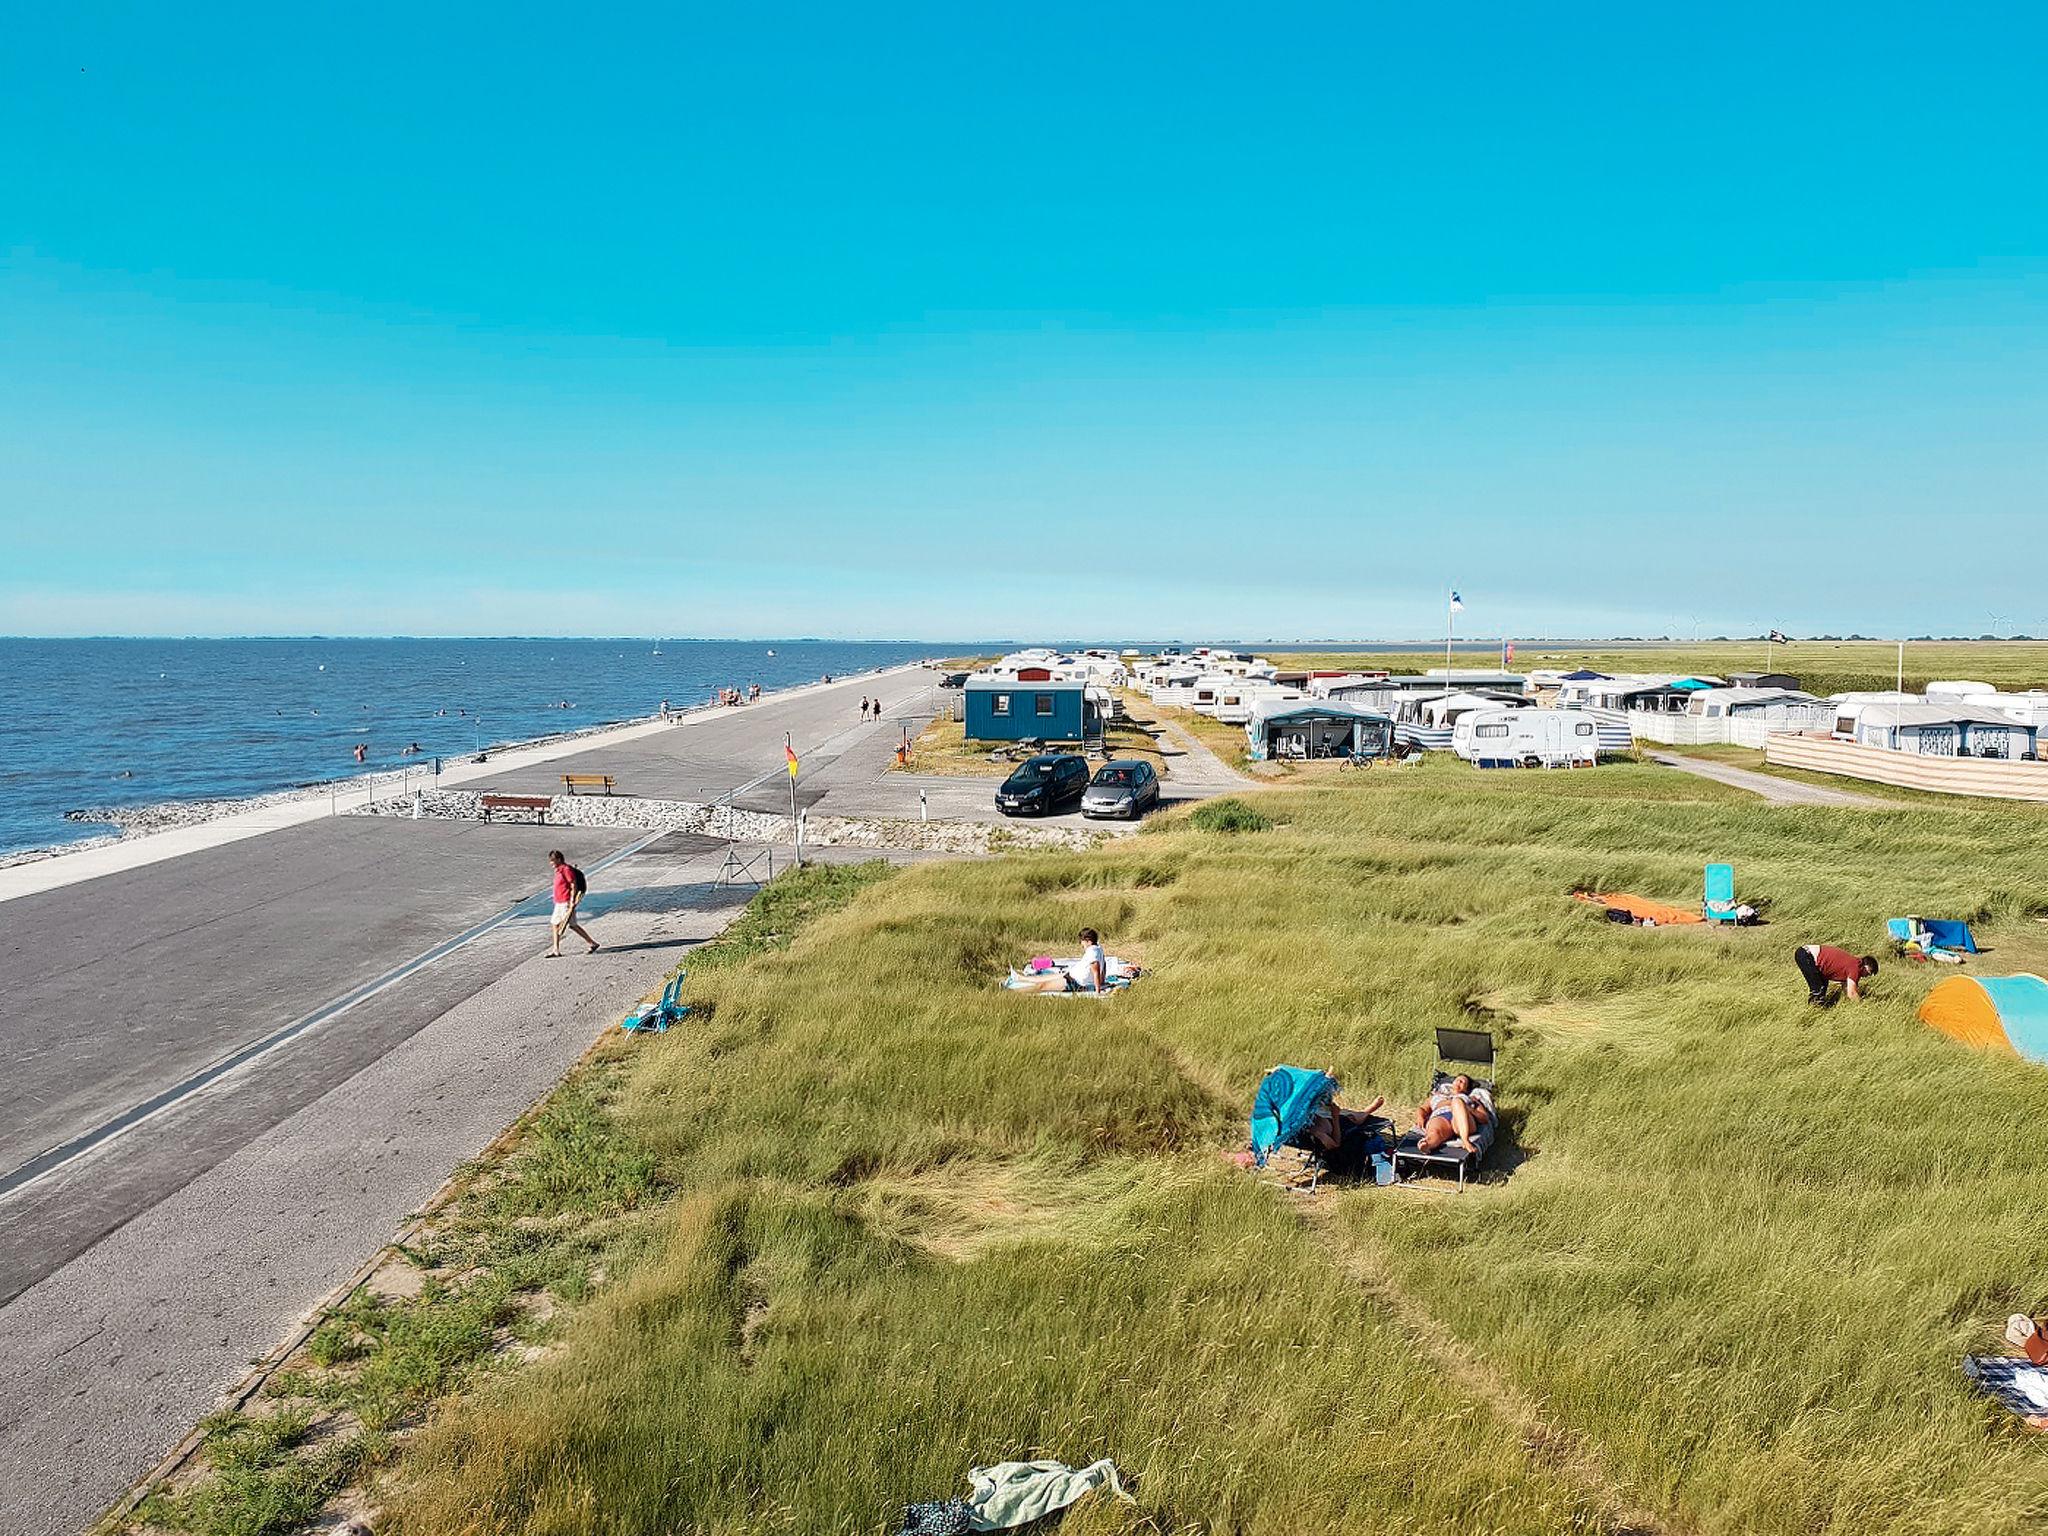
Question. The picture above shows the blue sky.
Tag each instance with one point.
(945, 321)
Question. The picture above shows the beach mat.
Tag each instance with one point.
(1640, 908)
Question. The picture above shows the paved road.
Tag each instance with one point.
(1777, 791)
(111, 1358)
(137, 1278)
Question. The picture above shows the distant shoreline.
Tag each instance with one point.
(141, 820)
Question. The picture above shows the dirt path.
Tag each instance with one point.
(1777, 791)
(1559, 1449)
(1192, 769)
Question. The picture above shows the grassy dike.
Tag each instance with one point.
(897, 1222)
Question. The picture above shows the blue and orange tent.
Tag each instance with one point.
(1994, 1013)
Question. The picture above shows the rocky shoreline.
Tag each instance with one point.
(726, 821)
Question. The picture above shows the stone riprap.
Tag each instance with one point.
(753, 826)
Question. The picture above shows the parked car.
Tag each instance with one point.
(1126, 786)
(1043, 784)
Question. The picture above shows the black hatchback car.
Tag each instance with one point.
(1043, 784)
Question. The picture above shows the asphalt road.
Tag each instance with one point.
(139, 1277)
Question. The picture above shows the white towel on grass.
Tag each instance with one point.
(1017, 1492)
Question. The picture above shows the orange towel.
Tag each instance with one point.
(1640, 907)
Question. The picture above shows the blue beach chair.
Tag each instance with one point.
(655, 1018)
(1720, 904)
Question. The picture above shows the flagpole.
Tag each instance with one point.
(1450, 626)
(1901, 680)
(796, 828)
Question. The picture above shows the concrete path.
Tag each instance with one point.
(1777, 791)
(110, 1358)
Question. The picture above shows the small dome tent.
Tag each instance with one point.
(1996, 1013)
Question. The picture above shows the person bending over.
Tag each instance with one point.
(1453, 1112)
(1824, 966)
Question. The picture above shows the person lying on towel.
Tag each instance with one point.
(1453, 1112)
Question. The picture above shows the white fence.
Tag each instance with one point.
(1748, 729)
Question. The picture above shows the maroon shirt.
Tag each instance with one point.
(1837, 964)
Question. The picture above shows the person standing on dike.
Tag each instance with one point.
(570, 888)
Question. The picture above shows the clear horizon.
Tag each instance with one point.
(1149, 322)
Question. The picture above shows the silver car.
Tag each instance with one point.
(1126, 786)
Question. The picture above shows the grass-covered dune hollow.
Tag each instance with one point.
(908, 1222)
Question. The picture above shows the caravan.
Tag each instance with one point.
(1526, 738)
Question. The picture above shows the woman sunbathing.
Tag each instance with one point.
(1456, 1110)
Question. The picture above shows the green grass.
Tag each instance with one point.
(1822, 666)
(270, 1474)
(1228, 815)
(916, 1223)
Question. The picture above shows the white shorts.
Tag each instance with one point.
(561, 913)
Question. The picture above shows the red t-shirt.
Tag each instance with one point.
(565, 883)
(1835, 964)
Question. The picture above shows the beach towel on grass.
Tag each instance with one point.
(2017, 1385)
(1018, 1492)
(1640, 908)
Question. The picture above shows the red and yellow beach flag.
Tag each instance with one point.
(789, 752)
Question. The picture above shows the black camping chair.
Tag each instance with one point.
(1457, 1050)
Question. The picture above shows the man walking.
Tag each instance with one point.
(1823, 965)
(569, 890)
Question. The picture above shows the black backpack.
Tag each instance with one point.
(577, 881)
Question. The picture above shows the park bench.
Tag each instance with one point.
(571, 782)
(538, 804)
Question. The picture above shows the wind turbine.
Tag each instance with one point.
(1996, 620)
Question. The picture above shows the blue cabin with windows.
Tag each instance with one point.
(1027, 709)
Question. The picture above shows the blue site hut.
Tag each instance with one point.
(1025, 708)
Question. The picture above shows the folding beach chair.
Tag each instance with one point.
(1720, 905)
(1457, 1050)
(655, 1018)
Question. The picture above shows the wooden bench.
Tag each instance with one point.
(571, 782)
(538, 804)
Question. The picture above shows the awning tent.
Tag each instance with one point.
(1993, 1013)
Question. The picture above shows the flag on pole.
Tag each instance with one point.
(1779, 637)
(790, 753)
(1509, 653)
(1457, 602)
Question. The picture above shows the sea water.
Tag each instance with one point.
(95, 723)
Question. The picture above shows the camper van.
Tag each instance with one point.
(1526, 738)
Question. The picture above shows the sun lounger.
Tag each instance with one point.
(1457, 1051)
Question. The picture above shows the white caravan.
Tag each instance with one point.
(1526, 738)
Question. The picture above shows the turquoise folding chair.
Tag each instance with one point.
(1720, 900)
(656, 1018)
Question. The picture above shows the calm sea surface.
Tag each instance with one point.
(135, 722)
